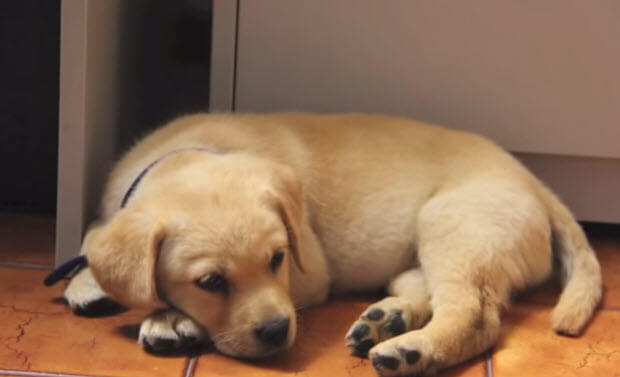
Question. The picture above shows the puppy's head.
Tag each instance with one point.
(214, 237)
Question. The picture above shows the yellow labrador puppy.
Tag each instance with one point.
(233, 221)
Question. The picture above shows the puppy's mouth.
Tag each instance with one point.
(268, 351)
(262, 355)
(252, 353)
(250, 347)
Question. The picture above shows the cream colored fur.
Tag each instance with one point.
(448, 221)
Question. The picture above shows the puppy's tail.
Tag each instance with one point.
(581, 271)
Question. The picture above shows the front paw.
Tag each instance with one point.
(87, 299)
(170, 331)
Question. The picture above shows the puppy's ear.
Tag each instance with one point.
(291, 207)
(122, 255)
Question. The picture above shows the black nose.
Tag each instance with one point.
(273, 333)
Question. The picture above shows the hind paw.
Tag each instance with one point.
(385, 319)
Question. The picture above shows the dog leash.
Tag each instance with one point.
(74, 265)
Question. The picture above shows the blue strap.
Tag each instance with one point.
(65, 269)
(138, 179)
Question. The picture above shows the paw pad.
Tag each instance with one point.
(360, 332)
(386, 319)
(99, 308)
(374, 314)
(160, 345)
(362, 348)
(411, 356)
(385, 362)
(395, 324)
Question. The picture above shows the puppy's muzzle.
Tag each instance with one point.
(274, 333)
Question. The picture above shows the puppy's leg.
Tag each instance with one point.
(409, 309)
(411, 285)
(475, 245)
(460, 328)
(86, 297)
(169, 330)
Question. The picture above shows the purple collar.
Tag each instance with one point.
(138, 179)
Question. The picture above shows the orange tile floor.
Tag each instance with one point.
(39, 336)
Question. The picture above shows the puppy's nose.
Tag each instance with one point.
(273, 333)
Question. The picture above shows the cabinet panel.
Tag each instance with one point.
(87, 114)
(535, 76)
(588, 186)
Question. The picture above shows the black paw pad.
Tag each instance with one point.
(374, 314)
(187, 346)
(412, 356)
(396, 324)
(189, 341)
(565, 333)
(361, 348)
(99, 308)
(385, 362)
(360, 332)
(193, 346)
(161, 345)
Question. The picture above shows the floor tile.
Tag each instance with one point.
(37, 334)
(608, 254)
(472, 368)
(528, 346)
(27, 238)
(319, 350)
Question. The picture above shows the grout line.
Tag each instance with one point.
(7, 372)
(609, 309)
(488, 365)
(32, 266)
(190, 367)
(552, 305)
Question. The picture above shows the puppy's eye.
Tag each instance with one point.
(276, 260)
(213, 283)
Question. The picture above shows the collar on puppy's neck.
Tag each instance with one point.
(138, 179)
(69, 268)
(73, 265)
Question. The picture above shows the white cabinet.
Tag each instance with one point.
(540, 78)
(535, 76)
(89, 91)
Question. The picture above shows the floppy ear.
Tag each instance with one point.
(122, 255)
(290, 203)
